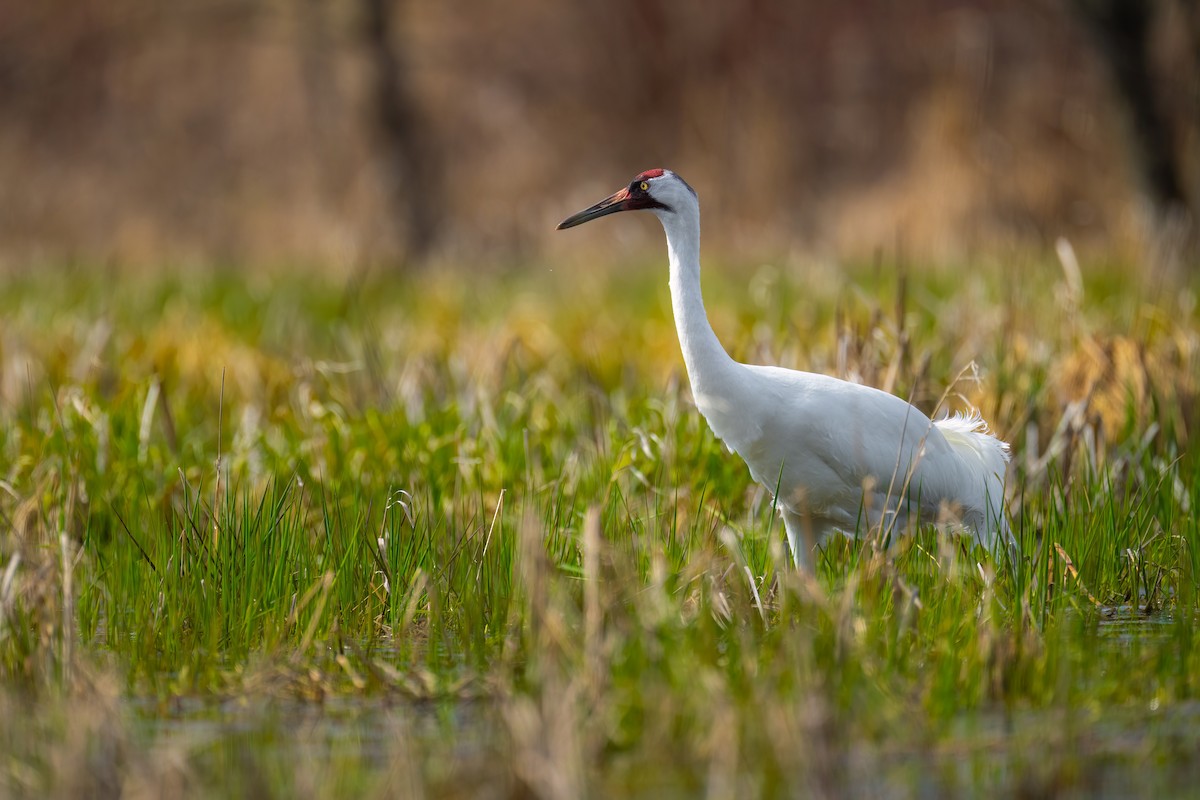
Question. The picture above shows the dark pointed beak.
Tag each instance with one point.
(609, 205)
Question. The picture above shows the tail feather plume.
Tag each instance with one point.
(969, 435)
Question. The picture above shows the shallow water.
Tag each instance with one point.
(355, 742)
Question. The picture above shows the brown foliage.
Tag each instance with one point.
(230, 130)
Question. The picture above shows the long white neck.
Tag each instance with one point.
(711, 371)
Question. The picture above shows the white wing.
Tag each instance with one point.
(845, 456)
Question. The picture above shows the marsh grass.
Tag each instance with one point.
(290, 535)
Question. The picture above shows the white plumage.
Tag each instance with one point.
(839, 456)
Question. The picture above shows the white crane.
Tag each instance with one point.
(838, 456)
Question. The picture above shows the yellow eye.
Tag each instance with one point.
(645, 187)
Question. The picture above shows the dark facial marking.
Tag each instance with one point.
(640, 198)
(658, 173)
(689, 187)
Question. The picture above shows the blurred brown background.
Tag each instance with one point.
(335, 132)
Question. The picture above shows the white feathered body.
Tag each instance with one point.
(850, 458)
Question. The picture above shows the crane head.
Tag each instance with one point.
(652, 190)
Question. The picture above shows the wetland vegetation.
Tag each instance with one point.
(298, 534)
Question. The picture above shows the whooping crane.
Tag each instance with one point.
(838, 456)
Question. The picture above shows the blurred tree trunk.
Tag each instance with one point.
(412, 175)
(322, 103)
(1121, 31)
